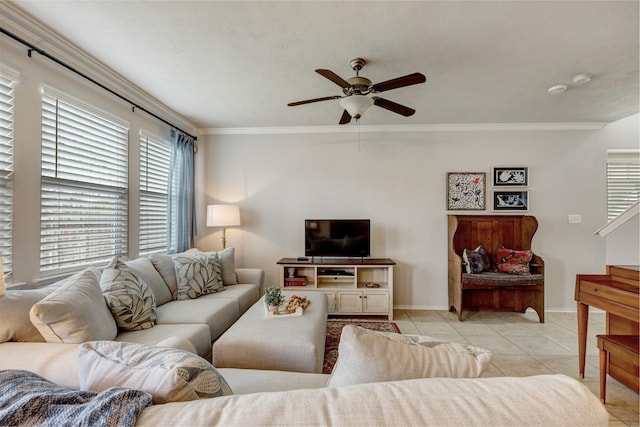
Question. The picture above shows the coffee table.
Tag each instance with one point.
(290, 343)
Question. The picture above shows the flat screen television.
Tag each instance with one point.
(337, 237)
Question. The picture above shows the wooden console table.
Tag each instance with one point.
(353, 286)
(616, 292)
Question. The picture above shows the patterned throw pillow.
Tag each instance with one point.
(130, 300)
(511, 261)
(167, 374)
(363, 357)
(197, 274)
(227, 265)
(476, 261)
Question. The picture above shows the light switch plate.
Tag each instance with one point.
(575, 219)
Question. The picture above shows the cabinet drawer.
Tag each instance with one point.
(608, 292)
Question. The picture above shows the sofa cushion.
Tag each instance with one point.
(544, 400)
(75, 312)
(197, 274)
(366, 356)
(144, 268)
(164, 265)
(179, 343)
(489, 279)
(245, 294)
(216, 312)
(197, 334)
(246, 381)
(167, 374)
(130, 300)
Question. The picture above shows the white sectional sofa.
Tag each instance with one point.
(276, 398)
(200, 321)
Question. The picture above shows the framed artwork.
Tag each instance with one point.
(510, 200)
(510, 176)
(466, 190)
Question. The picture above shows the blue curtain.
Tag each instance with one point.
(181, 210)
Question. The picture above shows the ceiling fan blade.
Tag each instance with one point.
(408, 80)
(346, 118)
(392, 106)
(309, 101)
(334, 78)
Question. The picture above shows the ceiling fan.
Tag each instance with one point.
(357, 91)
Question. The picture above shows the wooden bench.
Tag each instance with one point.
(493, 291)
(626, 349)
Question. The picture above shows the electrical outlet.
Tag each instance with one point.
(575, 219)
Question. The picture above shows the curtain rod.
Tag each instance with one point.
(81, 74)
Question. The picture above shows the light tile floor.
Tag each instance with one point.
(523, 346)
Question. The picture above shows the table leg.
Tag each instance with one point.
(583, 317)
(603, 372)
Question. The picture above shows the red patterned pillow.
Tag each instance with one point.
(512, 261)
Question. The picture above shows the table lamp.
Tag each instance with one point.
(223, 216)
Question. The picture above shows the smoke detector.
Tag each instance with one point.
(581, 78)
(557, 89)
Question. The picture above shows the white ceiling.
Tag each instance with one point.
(236, 64)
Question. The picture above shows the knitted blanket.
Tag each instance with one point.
(27, 399)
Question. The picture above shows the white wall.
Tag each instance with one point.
(398, 179)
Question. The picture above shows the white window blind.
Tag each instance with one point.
(155, 157)
(623, 180)
(8, 79)
(84, 186)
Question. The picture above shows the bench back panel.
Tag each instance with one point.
(490, 231)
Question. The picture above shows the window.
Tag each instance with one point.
(623, 180)
(84, 185)
(155, 156)
(8, 78)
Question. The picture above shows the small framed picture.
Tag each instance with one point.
(510, 176)
(466, 190)
(510, 200)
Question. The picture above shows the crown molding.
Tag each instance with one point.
(13, 19)
(463, 127)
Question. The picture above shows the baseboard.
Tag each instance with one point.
(439, 307)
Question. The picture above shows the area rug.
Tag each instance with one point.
(334, 330)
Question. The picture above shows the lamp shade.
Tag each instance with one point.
(223, 216)
(356, 105)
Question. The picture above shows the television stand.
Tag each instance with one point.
(358, 286)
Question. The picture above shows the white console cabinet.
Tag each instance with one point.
(356, 286)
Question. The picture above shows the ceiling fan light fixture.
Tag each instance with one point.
(356, 105)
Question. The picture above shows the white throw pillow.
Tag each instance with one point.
(15, 306)
(197, 274)
(129, 298)
(75, 312)
(167, 374)
(366, 356)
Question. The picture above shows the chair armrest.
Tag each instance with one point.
(536, 265)
(251, 275)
